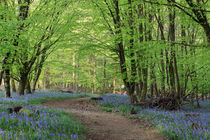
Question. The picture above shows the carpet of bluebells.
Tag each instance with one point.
(174, 125)
(36, 122)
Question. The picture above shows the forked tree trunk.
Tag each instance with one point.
(133, 97)
(119, 43)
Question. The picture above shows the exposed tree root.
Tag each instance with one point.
(96, 98)
(167, 103)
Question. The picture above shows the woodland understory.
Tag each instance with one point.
(156, 52)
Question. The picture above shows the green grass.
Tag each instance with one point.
(41, 100)
(106, 109)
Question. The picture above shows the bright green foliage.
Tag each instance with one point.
(109, 46)
(80, 64)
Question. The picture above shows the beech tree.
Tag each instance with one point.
(40, 25)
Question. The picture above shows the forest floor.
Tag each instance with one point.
(104, 125)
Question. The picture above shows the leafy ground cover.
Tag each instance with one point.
(189, 123)
(37, 122)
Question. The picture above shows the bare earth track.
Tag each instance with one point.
(103, 125)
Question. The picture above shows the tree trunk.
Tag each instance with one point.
(5, 73)
(141, 39)
(152, 89)
(121, 53)
(197, 98)
(206, 28)
(137, 89)
(167, 69)
(192, 96)
(35, 80)
(171, 38)
(115, 14)
(1, 76)
(140, 84)
(156, 90)
(162, 73)
(132, 51)
(22, 84)
(7, 83)
(202, 96)
(144, 93)
(161, 29)
(177, 79)
(172, 77)
(183, 67)
(28, 87)
(6, 69)
(133, 98)
(39, 67)
(153, 79)
(13, 85)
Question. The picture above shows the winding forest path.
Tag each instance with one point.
(104, 125)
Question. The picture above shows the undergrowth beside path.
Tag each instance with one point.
(189, 123)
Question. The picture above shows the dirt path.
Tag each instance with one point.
(103, 125)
